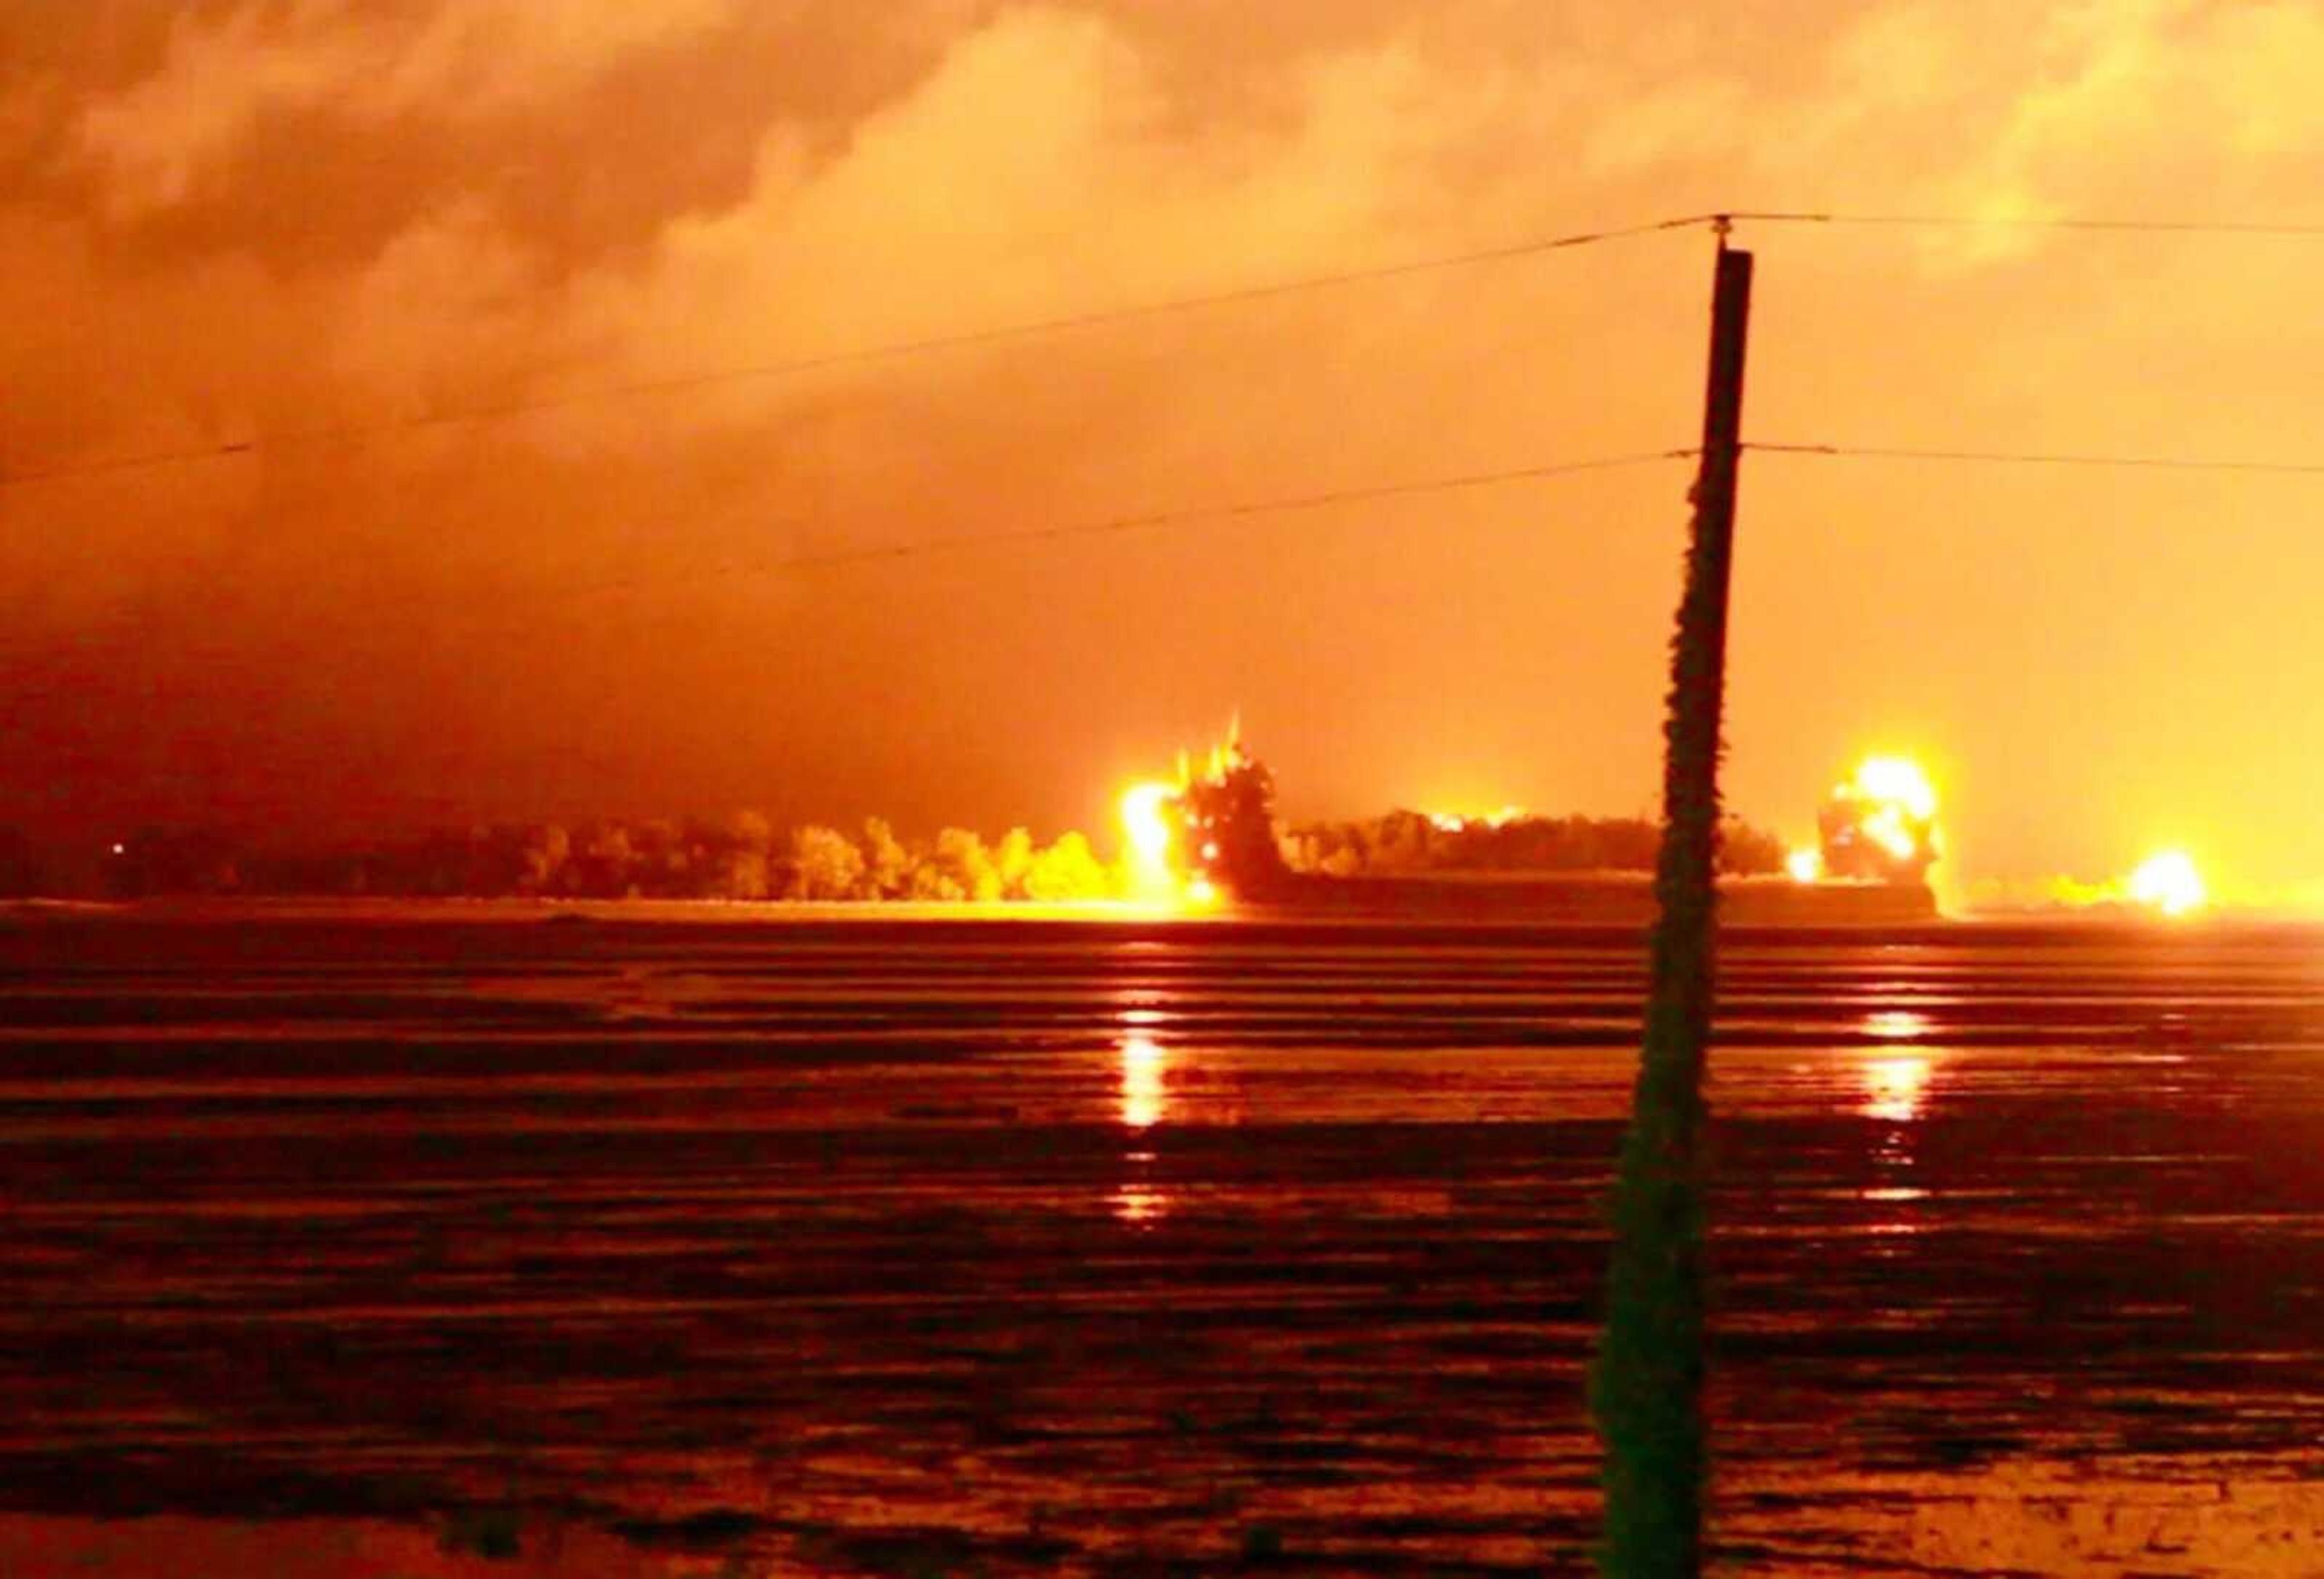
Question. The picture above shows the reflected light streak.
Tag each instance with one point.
(1896, 1025)
(1143, 1103)
(1894, 1089)
(1139, 1204)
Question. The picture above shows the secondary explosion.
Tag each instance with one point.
(2167, 883)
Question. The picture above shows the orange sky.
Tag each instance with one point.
(230, 222)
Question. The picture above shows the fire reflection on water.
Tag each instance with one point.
(1894, 1089)
(1139, 1204)
(1144, 1100)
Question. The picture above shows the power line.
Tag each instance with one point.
(2032, 457)
(680, 383)
(897, 350)
(1213, 513)
(498, 602)
(2027, 222)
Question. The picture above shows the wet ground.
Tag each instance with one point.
(380, 1246)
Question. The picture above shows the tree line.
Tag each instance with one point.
(746, 857)
(742, 857)
(1411, 843)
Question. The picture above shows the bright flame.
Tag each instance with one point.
(1805, 865)
(1146, 823)
(2170, 883)
(1894, 782)
(1899, 794)
(1184, 838)
(1142, 819)
(1881, 822)
(1886, 828)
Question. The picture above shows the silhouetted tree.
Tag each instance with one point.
(1227, 817)
(1408, 842)
(1744, 851)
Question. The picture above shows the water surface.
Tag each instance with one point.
(388, 1245)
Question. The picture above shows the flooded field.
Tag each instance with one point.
(430, 1247)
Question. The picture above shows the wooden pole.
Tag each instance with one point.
(1646, 1385)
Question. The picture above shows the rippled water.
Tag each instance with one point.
(386, 1246)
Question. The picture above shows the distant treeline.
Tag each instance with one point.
(745, 857)
(1406, 842)
(740, 858)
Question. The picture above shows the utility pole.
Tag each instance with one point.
(1647, 1385)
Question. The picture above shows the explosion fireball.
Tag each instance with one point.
(1210, 835)
(2169, 882)
(1879, 825)
(1146, 819)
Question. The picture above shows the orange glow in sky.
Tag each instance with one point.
(236, 225)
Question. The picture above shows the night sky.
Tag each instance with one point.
(271, 224)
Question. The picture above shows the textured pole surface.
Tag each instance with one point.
(1646, 1385)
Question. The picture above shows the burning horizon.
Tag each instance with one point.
(1186, 844)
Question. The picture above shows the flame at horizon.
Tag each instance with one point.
(2170, 883)
(1879, 824)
